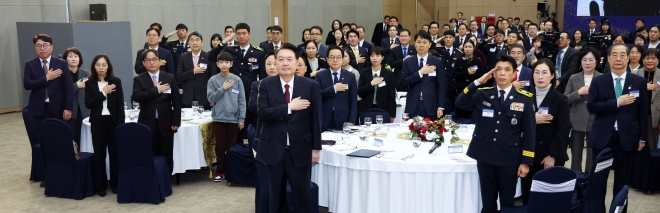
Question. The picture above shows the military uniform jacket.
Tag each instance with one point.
(175, 47)
(249, 68)
(505, 137)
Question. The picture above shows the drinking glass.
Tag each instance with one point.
(416, 143)
(405, 117)
(195, 106)
(199, 111)
(367, 121)
(379, 119)
(136, 105)
(364, 136)
(132, 115)
(125, 106)
(347, 128)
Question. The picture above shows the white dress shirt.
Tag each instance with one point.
(41, 62)
(623, 81)
(290, 83)
(105, 110)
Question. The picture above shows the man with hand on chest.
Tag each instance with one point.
(193, 73)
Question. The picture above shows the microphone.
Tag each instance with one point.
(435, 146)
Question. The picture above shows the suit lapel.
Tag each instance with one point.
(277, 89)
(609, 86)
(580, 80)
(656, 77)
(299, 85)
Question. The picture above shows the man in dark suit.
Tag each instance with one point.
(393, 41)
(289, 108)
(229, 31)
(275, 40)
(166, 60)
(361, 42)
(453, 25)
(492, 47)
(474, 31)
(532, 32)
(394, 21)
(523, 77)
(268, 37)
(338, 91)
(654, 37)
(154, 25)
(516, 25)
(592, 29)
(398, 54)
(160, 105)
(380, 29)
(504, 138)
(192, 72)
(639, 24)
(317, 35)
(248, 65)
(358, 54)
(566, 60)
(434, 30)
(424, 76)
(449, 54)
(483, 24)
(461, 36)
(619, 101)
(176, 47)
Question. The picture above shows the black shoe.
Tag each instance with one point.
(42, 184)
(114, 191)
(102, 193)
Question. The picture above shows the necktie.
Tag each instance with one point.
(375, 89)
(335, 78)
(405, 51)
(502, 98)
(356, 53)
(421, 62)
(461, 41)
(515, 77)
(195, 60)
(498, 48)
(276, 47)
(181, 44)
(287, 97)
(449, 51)
(46, 73)
(153, 79)
(242, 52)
(618, 90)
(559, 59)
(392, 41)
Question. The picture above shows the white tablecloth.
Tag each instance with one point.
(435, 182)
(188, 146)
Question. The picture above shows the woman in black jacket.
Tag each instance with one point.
(465, 73)
(312, 61)
(336, 25)
(377, 82)
(104, 97)
(552, 123)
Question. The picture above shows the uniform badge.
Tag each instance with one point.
(492, 96)
(517, 107)
(252, 60)
(514, 121)
(486, 103)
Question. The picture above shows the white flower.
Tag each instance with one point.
(430, 136)
(408, 122)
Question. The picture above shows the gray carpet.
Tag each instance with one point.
(197, 193)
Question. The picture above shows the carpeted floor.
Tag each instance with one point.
(197, 193)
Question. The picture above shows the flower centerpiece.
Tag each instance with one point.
(431, 131)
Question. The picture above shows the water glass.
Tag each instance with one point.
(405, 117)
(364, 136)
(379, 119)
(346, 128)
(416, 143)
(367, 121)
(132, 115)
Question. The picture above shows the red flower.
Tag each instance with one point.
(435, 122)
(410, 127)
(443, 129)
(421, 137)
(424, 129)
(427, 119)
(442, 121)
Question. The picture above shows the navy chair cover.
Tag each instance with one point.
(37, 169)
(594, 195)
(261, 192)
(240, 165)
(372, 114)
(143, 178)
(620, 201)
(67, 177)
(251, 131)
(313, 198)
(551, 192)
(645, 170)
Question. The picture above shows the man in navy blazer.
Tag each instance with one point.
(167, 61)
(524, 75)
(424, 75)
(621, 113)
(51, 93)
(338, 92)
(290, 142)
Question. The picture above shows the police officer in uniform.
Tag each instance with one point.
(449, 55)
(504, 135)
(179, 46)
(249, 64)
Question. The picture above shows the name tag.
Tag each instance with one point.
(85, 79)
(493, 49)
(634, 93)
(526, 83)
(378, 142)
(434, 73)
(475, 67)
(234, 90)
(202, 65)
(255, 66)
(488, 113)
(544, 110)
(168, 91)
(454, 149)
(381, 84)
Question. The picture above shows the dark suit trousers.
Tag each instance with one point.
(103, 136)
(493, 180)
(577, 145)
(421, 111)
(225, 138)
(163, 145)
(298, 179)
(48, 113)
(621, 165)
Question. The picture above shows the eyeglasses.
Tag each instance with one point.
(44, 46)
(152, 60)
(315, 34)
(334, 57)
(101, 65)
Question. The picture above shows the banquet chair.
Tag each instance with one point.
(620, 201)
(551, 192)
(313, 198)
(67, 177)
(37, 168)
(240, 165)
(372, 114)
(261, 187)
(143, 178)
(251, 131)
(594, 194)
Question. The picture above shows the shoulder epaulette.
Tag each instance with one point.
(459, 50)
(173, 40)
(257, 48)
(235, 45)
(485, 88)
(525, 93)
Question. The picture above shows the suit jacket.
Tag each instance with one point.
(551, 137)
(385, 95)
(457, 41)
(517, 28)
(385, 44)
(527, 43)
(115, 102)
(463, 77)
(510, 143)
(631, 119)
(194, 85)
(60, 91)
(482, 28)
(432, 87)
(263, 44)
(323, 51)
(490, 51)
(167, 104)
(477, 35)
(270, 47)
(569, 66)
(175, 47)
(343, 103)
(395, 60)
(655, 103)
(164, 55)
(525, 75)
(581, 119)
(363, 53)
(303, 127)
(322, 64)
(377, 36)
(79, 97)
(366, 45)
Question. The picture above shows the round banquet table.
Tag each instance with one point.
(438, 182)
(188, 146)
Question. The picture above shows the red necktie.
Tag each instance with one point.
(392, 42)
(287, 97)
(46, 73)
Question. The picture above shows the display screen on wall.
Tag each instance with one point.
(618, 8)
